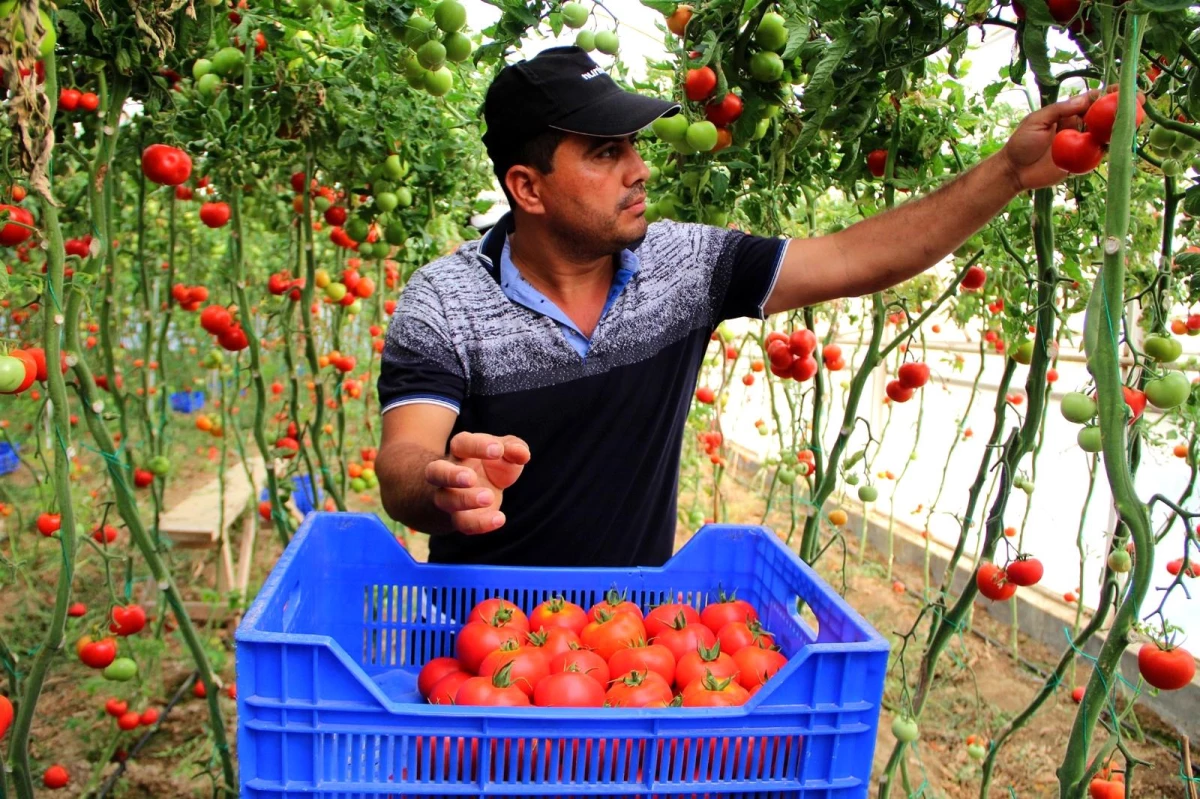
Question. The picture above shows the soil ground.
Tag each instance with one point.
(978, 688)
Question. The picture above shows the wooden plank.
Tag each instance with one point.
(193, 522)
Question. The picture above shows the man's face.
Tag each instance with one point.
(596, 194)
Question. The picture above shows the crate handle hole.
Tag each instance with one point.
(802, 613)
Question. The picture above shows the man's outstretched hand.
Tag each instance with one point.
(469, 483)
(1028, 149)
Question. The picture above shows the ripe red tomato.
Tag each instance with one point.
(666, 615)
(877, 162)
(711, 692)
(613, 602)
(56, 777)
(555, 641)
(802, 342)
(639, 689)
(89, 101)
(435, 670)
(609, 633)
(1100, 788)
(49, 523)
(216, 319)
(497, 612)
(644, 657)
(445, 689)
(568, 689)
(724, 111)
(897, 392)
(974, 279)
(1025, 571)
(477, 640)
(1076, 152)
(166, 165)
(803, 368)
(6, 715)
(993, 583)
(1166, 669)
(116, 708)
(234, 339)
(558, 613)
(699, 84)
(1136, 400)
(215, 215)
(149, 717)
(129, 721)
(756, 666)
(684, 638)
(18, 227)
(698, 663)
(68, 99)
(335, 215)
(1102, 114)
(494, 691)
(706, 395)
(127, 620)
(678, 20)
(913, 374)
(584, 661)
(77, 609)
(526, 665)
(98, 654)
(739, 634)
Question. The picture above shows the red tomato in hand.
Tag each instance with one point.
(1025, 571)
(610, 633)
(613, 602)
(644, 657)
(1166, 669)
(526, 665)
(718, 614)
(1102, 114)
(558, 612)
(667, 615)
(639, 689)
(682, 638)
(993, 583)
(583, 661)
(166, 165)
(1076, 152)
(711, 692)
(477, 640)
(695, 665)
(500, 613)
(756, 666)
(433, 671)
(568, 689)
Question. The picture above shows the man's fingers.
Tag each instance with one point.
(478, 522)
(1056, 113)
(516, 450)
(445, 474)
(476, 445)
(454, 500)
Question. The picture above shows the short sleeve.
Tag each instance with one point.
(746, 272)
(419, 363)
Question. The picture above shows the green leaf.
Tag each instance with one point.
(1191, 201)
(556, 22)
(664, 7)
(798, 30)
(1034, 46)
(1143, 6)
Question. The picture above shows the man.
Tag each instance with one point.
(535, 384)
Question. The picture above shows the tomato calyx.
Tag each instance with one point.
(711, 683)
(709, 654)
(679, 622)
(501, 618)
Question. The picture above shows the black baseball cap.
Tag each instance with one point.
(563, 89)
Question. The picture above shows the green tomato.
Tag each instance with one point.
(438, 82)
(432, 54)
(655, 174)
(766, 67)
(683, 148)
(574, 15)
(395, 233)
(121, 670)
(12, 374)
(670, 129)
(357, 228)
(450, 16)
(458, 47)
(696, 519)
(668, 206)
(851, 479)
(760, 130)
(201, 67)
(1023, 354)
(976, 751)
(49, 39)
(321, 203)
(905, 729)
(354, 307)
(1172, 168)
(366, 250)
(716, 217)
(159, 465)
(607, 42)
(394, 168)
(1119, 561)
(228, 61)
(208, 85)
(1186, 143)
(1078, 407)
(1089, 439)
(652, 213)
(771, 33)
(404, 199)
(786, 476)
(335, 291)
(1161, 138)
(418, 30)
(369, 475)
(1168, 391)
(868, 493)
(1163, 349)
(386, 201)
(358, 484)
(586, 41)
(412, 70)
(702, 136)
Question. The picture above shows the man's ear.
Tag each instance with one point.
(525, 184)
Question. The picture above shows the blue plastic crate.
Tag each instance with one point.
(187, 402)
(302, 494)
(8, 458)
(328, 655)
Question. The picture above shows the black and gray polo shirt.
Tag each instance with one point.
(604, 417)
